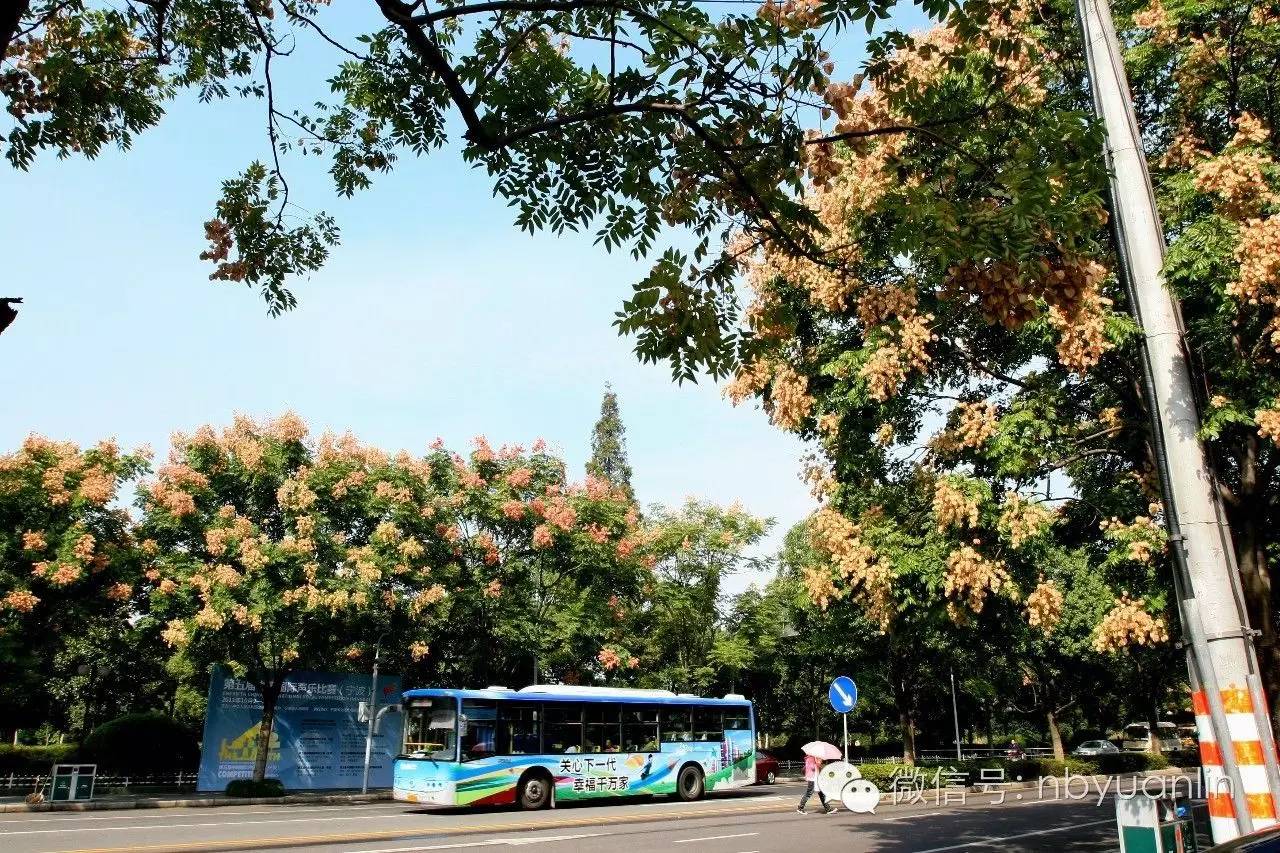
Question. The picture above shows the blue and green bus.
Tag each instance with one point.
(542, 744)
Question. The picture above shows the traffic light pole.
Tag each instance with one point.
(1236, 742)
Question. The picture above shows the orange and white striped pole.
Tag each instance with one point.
(1224, 667)
(1246, 748)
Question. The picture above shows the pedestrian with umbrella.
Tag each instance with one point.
(816, 753)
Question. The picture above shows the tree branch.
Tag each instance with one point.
(1077, 457)
(10, 20)
(269, 48)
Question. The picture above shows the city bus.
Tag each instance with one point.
(542, 744)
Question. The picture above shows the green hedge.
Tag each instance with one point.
(250, 788)
(35, 759)
(1128, 762)
(138, 743)
(1024, 769)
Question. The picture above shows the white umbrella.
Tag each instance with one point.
(821, 749)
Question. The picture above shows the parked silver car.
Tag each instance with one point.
(1096, 747)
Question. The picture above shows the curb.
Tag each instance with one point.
(197, 803)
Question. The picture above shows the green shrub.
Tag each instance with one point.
(1053, 767)
(1127, 762)
(35, 759)
(881, 775)
(138, 743)
(1184, 758)
(250, 788)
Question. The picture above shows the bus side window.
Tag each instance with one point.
(480, 717)
(737, 719)
(677, 725)
(639, 729)
(604, 729)
(707, 725)
(517, 729)
(562, 728)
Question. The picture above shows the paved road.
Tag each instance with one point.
(754, 821)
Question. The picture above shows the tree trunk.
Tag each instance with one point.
(1255, 579)
(1153, 729)
(270, 692)
(1055, 735)
(10, 17)
(908, 723)
(990, 740)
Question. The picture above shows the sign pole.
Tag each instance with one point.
(373, 705)
(955, 715)
(846, 736)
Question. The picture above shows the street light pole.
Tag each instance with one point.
(1226, 690)
(372, 709)
(955, 715)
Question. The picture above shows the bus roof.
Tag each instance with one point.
(575, 693)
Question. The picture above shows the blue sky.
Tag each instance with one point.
(435, 316)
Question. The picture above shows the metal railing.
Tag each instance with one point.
(787, 768)
(14, 783)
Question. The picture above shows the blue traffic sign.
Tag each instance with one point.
(843, 694)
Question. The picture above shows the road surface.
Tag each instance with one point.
(759, 820)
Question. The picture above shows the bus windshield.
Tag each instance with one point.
(431, 730)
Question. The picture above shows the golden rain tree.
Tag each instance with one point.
(271, 552)
(67, 558)
(957, 354)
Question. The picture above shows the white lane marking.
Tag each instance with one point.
(487, 842)
(987, 842)
(714, 837)
(910, 816)
(150, 813)
(540, 839)
(745, 800)
(196, 825)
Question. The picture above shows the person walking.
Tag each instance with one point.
(812, 764)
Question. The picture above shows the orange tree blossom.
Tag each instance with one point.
(67, 560)
(960, 359)
(270, 551)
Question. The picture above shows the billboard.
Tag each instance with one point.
(317, 741)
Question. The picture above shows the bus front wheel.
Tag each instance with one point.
(534, 792)
(689, 784)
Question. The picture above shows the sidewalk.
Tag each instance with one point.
(193, 801)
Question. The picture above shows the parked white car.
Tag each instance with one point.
(1137, 737)
(1096, 747)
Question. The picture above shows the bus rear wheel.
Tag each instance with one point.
(534, 792)
(689, 784)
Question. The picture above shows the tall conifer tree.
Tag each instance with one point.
(609, 445)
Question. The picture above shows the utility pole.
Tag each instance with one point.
(1236, 741)
(373, 709)
(955, 716)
